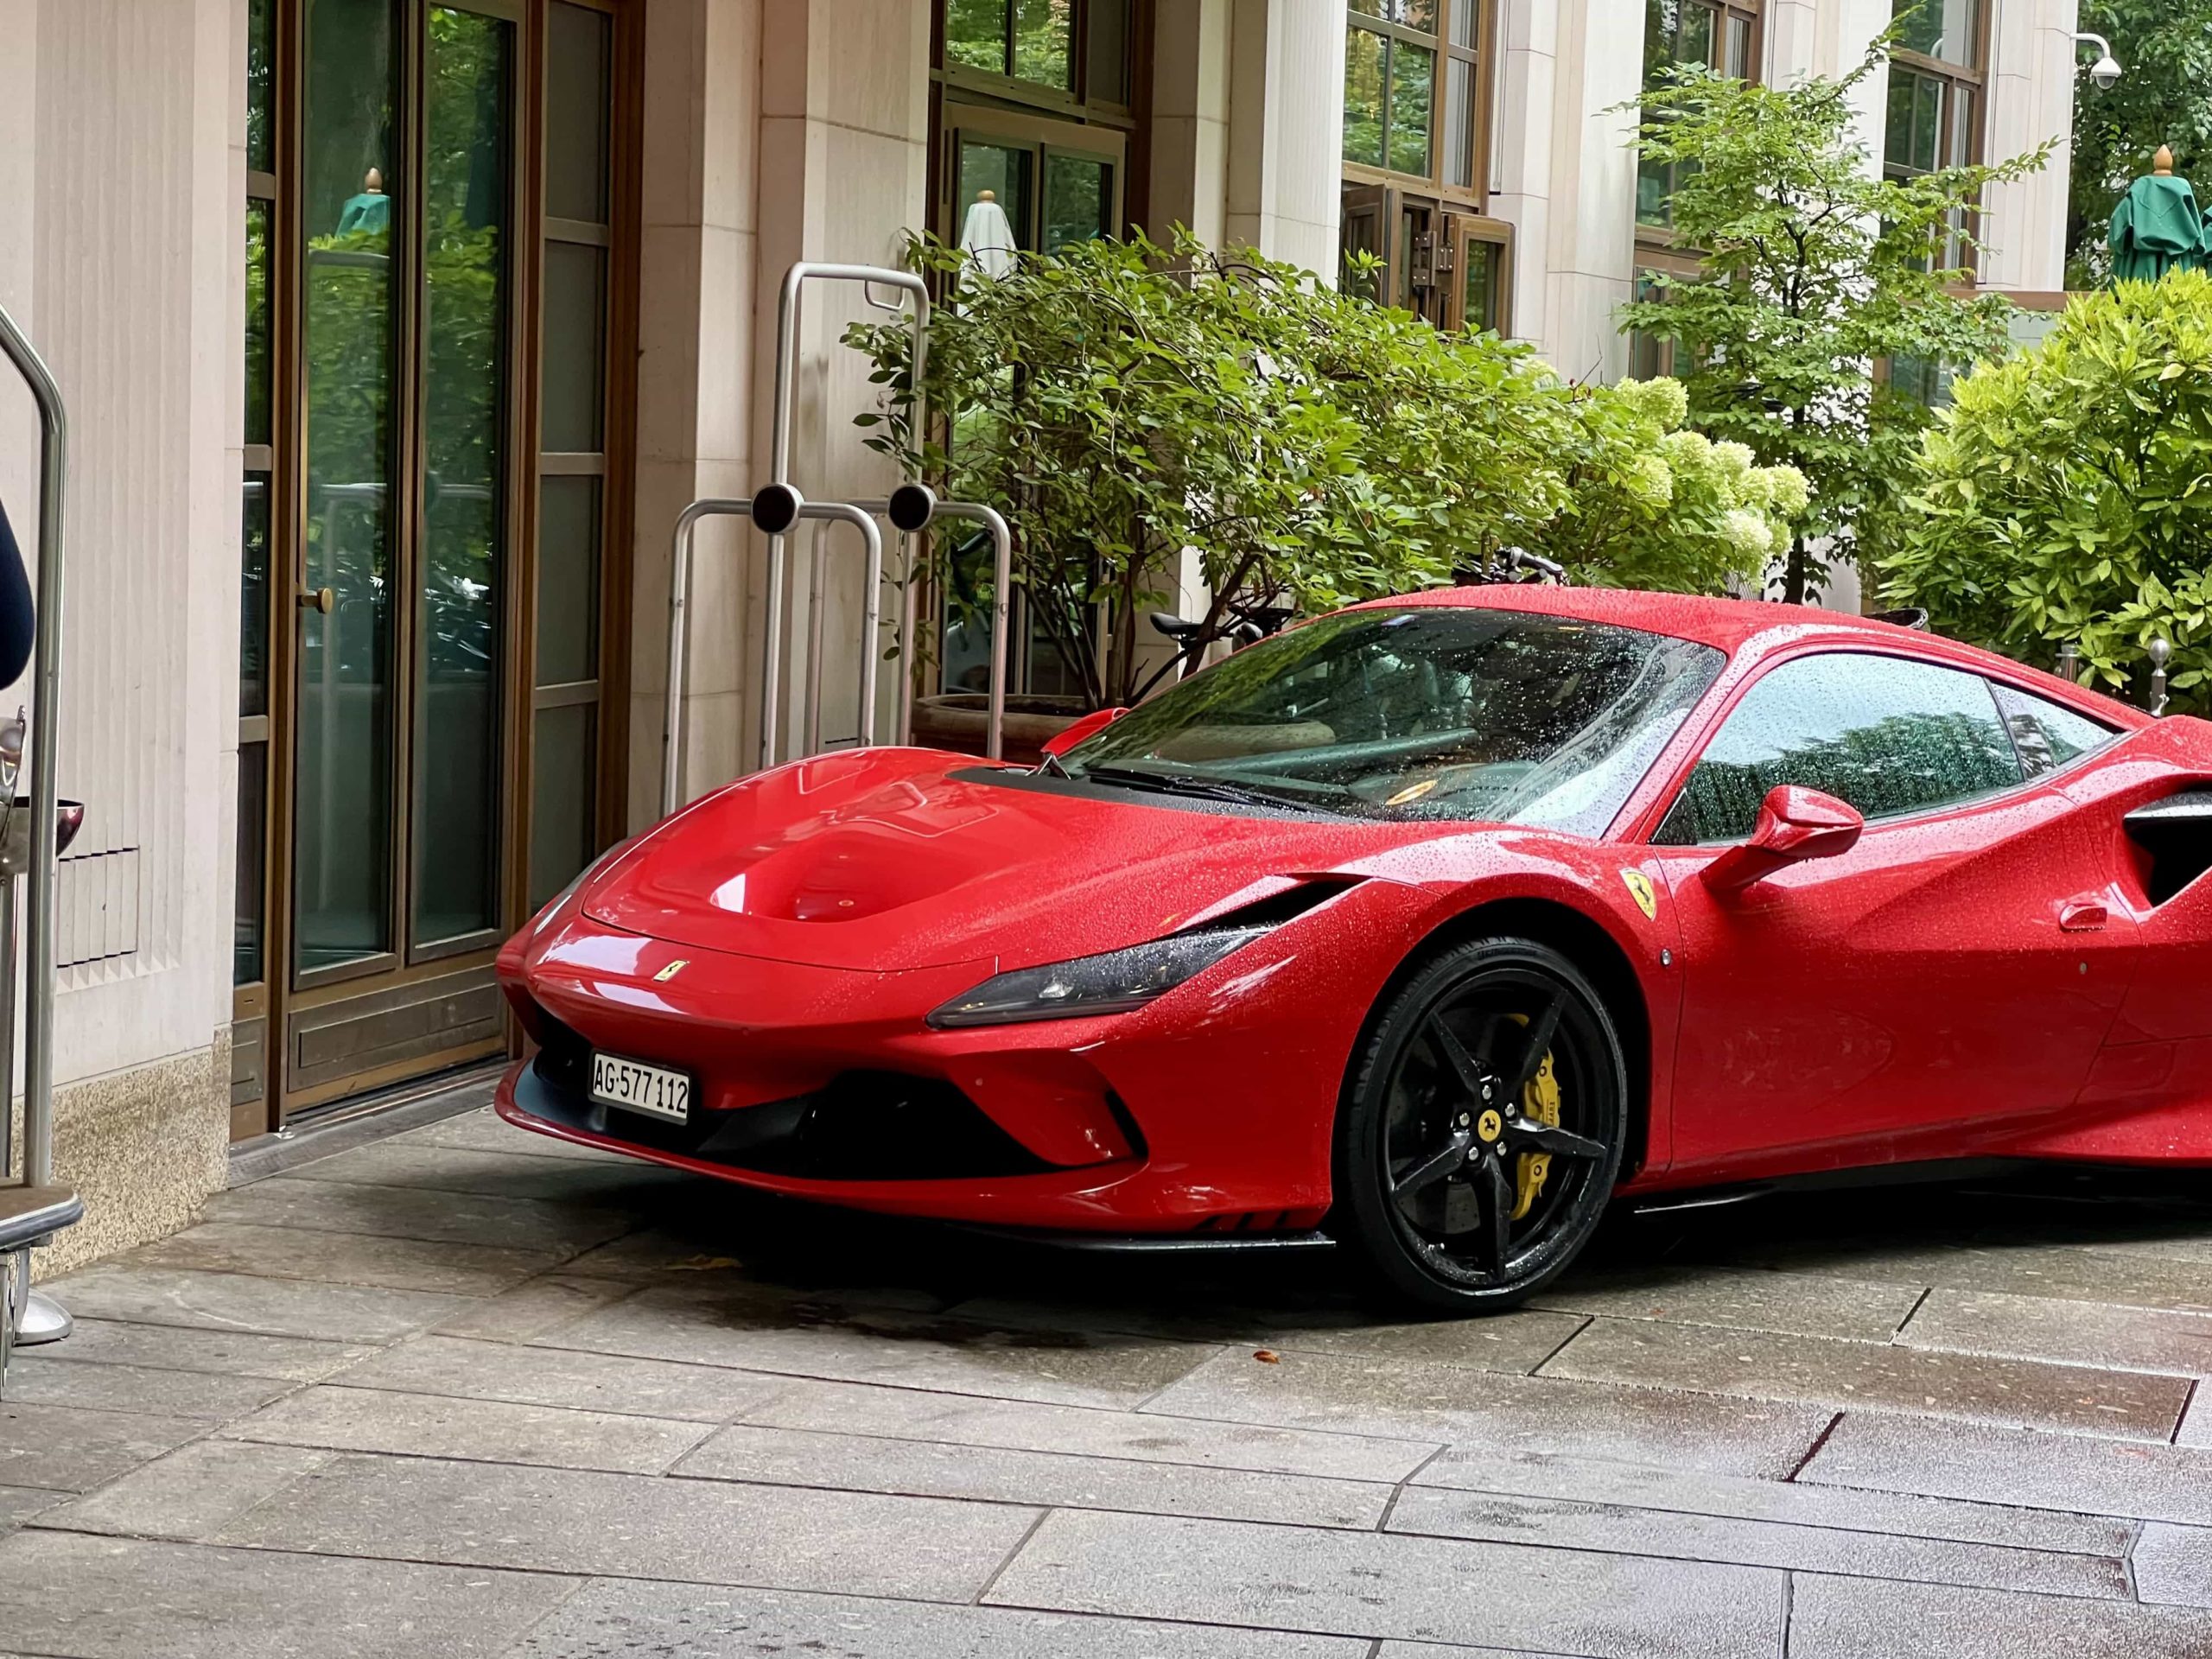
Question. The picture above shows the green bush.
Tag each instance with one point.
(2067, 494)
(1120, 402)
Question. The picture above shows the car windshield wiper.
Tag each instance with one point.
(1205, 789)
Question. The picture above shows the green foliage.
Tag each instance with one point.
(2164, 97)
(1121, 405)
(1815, 269)
(2066, 495)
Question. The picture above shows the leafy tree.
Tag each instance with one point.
(1121, 405)
(1815, 269)
(2164, 98)
(2066, 496)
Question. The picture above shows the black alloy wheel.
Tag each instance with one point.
(1483, 1128)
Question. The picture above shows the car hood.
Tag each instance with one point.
(888, 859)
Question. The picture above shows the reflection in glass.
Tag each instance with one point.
(568, 581)
(1040, 41)
(1079, 200)
(253, 599)
(1363, 97)
(260, 85)
(252, 845)
(576, 60)
(1413, 97)
(1004, 171)
(574, 416)
(1946, 30)
(975, 34)
(1107, 66)
(257, 322)
(1478, 293)
(1458, 123)
(563, 762)
(465, 210)
(343, 834)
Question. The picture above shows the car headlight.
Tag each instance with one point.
(1111, 984)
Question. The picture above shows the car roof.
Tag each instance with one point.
(1754, 626)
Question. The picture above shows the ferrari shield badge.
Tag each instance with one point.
(671, 970)
(1639, 888)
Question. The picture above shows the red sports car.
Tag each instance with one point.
(1434, 923)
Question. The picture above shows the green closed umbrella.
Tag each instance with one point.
(2157, 226)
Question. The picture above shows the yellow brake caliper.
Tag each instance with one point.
(1539, 1101)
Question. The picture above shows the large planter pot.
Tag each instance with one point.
(960, 720)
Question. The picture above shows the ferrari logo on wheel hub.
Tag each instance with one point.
(1489, 1126)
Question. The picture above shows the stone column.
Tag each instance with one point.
(1286, 129)
(1191, 117)
(1521, 152)
(2032, 60)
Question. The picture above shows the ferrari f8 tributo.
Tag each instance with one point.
(1432, 924)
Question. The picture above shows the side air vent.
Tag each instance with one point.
(1307, 893)
(2177, 833)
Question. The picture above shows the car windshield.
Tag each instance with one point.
(1427, 712)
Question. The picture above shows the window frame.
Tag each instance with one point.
(1483, 56)
(1655, 237)
(1074, 102)
(1973, 78)
(1730, 698)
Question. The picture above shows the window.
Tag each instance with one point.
(1723, 35)
(1435, 712)
(1887, 735)
(2047, 736)
(1933, 117)
(1414, 144)
(1076, 48)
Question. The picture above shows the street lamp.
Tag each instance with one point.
(2106, 70)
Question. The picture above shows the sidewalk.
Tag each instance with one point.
(463, 1391)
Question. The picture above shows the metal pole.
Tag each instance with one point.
(1001, 601)
(817, 596)
(38, 1029)
(780, 439)
(871, 618)
(679, 594)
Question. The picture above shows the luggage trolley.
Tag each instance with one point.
(33, 831)
(778, 507)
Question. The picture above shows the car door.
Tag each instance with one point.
(1957, 968)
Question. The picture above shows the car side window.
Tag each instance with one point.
(2047, 734)
(1888, 736)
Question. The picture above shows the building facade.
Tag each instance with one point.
(397, 332)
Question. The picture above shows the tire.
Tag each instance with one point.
(1430, 1170)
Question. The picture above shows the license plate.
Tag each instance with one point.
(636, 1087)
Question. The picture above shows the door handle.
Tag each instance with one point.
(318, 598)
(2082, 916)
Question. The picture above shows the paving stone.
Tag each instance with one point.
(1874, 1618)
(1518, 1341)
(186, 1348)
(37, 1380)
(1415, 1400)
(492, 1431)
(564, 1377)
(68, 1449)
(613, 1617)
(2070, 1332)
(485, 1130)
(749, 1328)
(651, 1253)
(1975, 1388)
(534, 1308)
(241, 1302)
(625, 1184)
(1530, 1474)
(410, 1212)
(1993, 1465)
(1802, 1304)
(1418, 1589)
(915, 1414)
(638, 1526)
(1435, 1512)
(2196, 1423)
(191, 1493)
(2173, 1564)
(347, 1258)
(19, 1503)
(854, 1463)
(73, 1593)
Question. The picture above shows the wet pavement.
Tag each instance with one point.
(464, 1391)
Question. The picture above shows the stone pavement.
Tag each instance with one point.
(463, 1391)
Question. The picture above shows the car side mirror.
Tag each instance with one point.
(1795, 825)
(1097, 721)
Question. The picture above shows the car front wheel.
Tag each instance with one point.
(1482, 1129)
